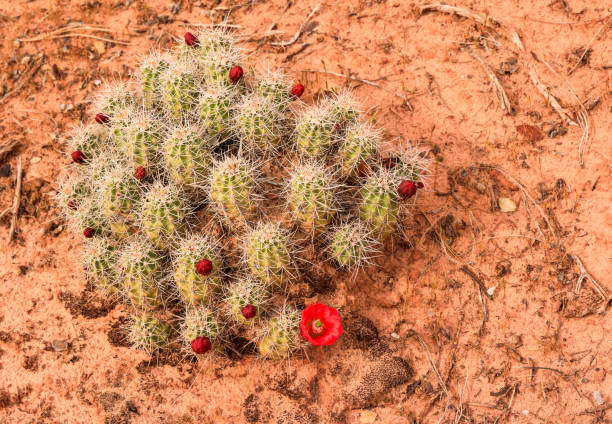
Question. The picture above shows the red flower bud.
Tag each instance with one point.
(235, 74)
(201, 345)
(72, 205)
(321, 324)
(297, 90)
(407, 189)
(140, 173)
(204, 267)
(191, 40)
(89, 232)
(249, 311)
(420, 185)
(78, 156)
(102, 118)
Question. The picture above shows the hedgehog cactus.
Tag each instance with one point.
(247, 298)
(232, 188)
(187, 154)
(268, 254)
(163, 214)
(197, 284)
(311, 196)
(101, 257)
(259, 124)
(140, 268)
(351, 245)
(149, 77)
(200, 138)
(148, 333)
(215, 110)
(358, 149)
(314, 133)
(179, 88)
(279, 336)
(380, 202)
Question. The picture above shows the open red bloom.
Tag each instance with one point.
(321, 325)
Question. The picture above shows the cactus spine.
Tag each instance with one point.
(150, 73)
(101, 257)
(179, 87)
(259, 124)
(215, 109)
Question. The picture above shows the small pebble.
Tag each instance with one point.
(59, 345)
(525, 412)
(491, 290)
(35, 159)
(395, 335)
(598, 398)
(97, 82)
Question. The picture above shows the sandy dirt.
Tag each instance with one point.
(416, 347)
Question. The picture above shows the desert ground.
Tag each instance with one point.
(489, 307)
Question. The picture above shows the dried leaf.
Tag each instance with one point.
(506, 204)
(530, 132)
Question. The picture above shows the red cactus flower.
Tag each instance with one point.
(140, 173)
(72, 205)
(321, 324)
(407, 189)
(249, 311)
(201, 345)
(89, 232)
(78, 156)
(204, 267)
(235, 74)
(297, 90)
(191, 40)
(102, 118)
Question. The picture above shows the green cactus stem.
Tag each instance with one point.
(380, 203)
(268, 254)
(187, 154)
(233, 189)
(279, 336)
(314, 133)
(311, 196)
(141, 271)
(351, 245)
(163, 215)
(148, 333)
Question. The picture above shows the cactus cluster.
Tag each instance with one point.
(176, 187)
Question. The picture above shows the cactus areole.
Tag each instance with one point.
(201, 345)
(320, 325)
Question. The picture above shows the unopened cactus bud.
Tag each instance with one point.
(314, 133)
(197, 270)
(191, 40)
(200, 322)
(101, 118)
(311, 196)
(148, 333)
(359, 148)
(247, 298)
(163, 214)
(268, 254)
(89, 232)
(235, 74)
(89, 219)
(232, 188)
(101, 257)
(279, 337)
(200, 345)
(188, 157)
(297, 90)
(351, 245)
(259, 124)
(380, 202)
(141, 271)
(140, 173)
(221, 67)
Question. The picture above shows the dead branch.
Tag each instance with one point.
(603, 27)
(299, 32)
(16, 201)
(364, 81)
(552, 100)
(585, 275)
(499, 89)
(7, 148)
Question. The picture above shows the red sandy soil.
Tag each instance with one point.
(411, 323)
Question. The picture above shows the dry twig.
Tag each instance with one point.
(69, 31)
(16, 202)
(552, 100)
(603, 27)
(363, 81)
(299, 32)
(7, 148)
(584, 275)
(499, 89)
